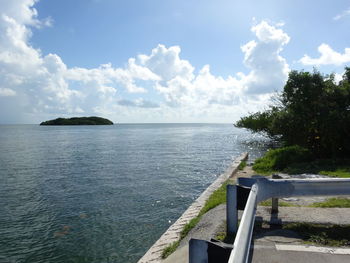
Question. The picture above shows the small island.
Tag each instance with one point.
(78, 121)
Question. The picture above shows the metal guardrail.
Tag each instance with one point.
(241, 246)
(246, 195)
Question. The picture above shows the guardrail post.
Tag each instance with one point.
(274, 208)
(231, 209)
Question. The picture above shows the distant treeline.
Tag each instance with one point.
(78, 121)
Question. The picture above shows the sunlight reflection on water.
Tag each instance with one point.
(106, 193)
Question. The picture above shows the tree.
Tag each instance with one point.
(314, 112)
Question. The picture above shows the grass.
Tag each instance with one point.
(224, 237)
(280, 158)
(327, 235)
(333, 202)
(170, 249)
(297, 160)
(332, 167)
(242, 165)
(218, 197)
(340, 172)
(189, 226)
(280, 203)
(221, 235)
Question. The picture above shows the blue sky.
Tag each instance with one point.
(159, 60)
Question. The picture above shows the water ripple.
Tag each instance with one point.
(104, 194)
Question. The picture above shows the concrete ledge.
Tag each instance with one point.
(154, 254)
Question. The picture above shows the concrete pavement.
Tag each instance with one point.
(275, 245)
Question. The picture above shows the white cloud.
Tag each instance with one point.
(44, 82)
(5, 92)
(166, 63)
(342, 15)
(328, 57)
(338, 77)
(269, 70)
(44, 85)
(140, 102)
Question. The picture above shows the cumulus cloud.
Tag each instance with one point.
(269, 70)
(43, 84)
(166, 63)
(328, 57)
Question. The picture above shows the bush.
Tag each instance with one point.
(313, 111)
(281, 158)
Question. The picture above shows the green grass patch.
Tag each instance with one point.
(331, 167)
(222, 236)
(333, 202)
(280, 203)
(298, 160)
(218, 197)
(242, 165)
(170, 249)
(188, 227)
(279, 159)
(327, 235)
(340, 172)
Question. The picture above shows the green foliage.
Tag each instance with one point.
(189, 226)
(313, 112)
(259, 122)
(225, 237)
(340, 172)
(333, 202)
(78, 121)
(280, 203)
(170, 249)
(328, 235)
(242, 165)
(331, 167)
(281, 158)
(218, 197)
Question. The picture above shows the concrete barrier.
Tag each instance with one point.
(154, 254)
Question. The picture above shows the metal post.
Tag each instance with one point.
(274, 208)
(231, 209)
(261, 189)
(198, 251)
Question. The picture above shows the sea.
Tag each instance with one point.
(105, 193)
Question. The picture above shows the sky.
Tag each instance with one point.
(161, 61)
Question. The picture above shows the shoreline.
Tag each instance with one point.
(172, 234)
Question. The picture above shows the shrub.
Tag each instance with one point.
(313, 111)
(281, 158)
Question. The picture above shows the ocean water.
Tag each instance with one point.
(105, 193)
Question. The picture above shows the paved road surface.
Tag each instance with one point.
(275, 245)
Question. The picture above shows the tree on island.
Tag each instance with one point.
(78, 121)
(313, 111)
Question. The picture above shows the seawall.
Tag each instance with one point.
(154, 254)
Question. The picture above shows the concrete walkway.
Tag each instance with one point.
(275, 245)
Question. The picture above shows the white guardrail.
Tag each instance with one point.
(260, 189)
